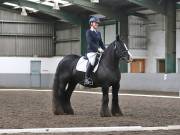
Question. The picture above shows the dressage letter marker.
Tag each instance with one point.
(165, 77)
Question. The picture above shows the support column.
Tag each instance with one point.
(170, 34)
(104, 36)
(124, 37)
(84, 26)
(117, 27)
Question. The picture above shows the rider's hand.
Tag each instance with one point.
(100, 50)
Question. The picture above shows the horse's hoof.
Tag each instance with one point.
(117, 114)
(116, 111)
(58, 111)
(69, 112)
(105, 113)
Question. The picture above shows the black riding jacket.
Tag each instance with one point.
(94, 41)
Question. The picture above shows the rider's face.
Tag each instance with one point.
(94, 25)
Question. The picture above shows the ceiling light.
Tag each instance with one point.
(48, 3)
(11, 4)
(95, 1)
(31, 9)
(56, 5)
(37, 1)
(63, 2)
(24, 13)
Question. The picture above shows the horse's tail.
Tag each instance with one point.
(56, 78)
(63, 75)
(57, 109)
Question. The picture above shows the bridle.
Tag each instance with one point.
(122, 52)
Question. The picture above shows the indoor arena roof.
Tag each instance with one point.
(84, 8)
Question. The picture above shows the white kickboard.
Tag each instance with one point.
(82, 65)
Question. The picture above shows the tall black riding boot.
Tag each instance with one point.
(88, 81)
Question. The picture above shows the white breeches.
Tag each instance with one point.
(92, 57)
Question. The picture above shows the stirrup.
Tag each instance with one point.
(88, 82)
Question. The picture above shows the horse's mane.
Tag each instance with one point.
(112, 44)
(110, 47)
(109, 51)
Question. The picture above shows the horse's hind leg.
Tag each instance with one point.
(58, 99)
(67, 106)
(115, 109)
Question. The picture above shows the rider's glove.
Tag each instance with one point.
(100, 50)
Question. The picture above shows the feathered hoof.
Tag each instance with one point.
(117, 114)
(69, 111)
(58, 111)
(105, 113)
(116, 111)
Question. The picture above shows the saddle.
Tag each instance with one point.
(83, 61)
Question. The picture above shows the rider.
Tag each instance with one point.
(94, 45)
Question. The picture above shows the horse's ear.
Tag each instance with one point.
(117, 37)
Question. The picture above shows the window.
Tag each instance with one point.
(161, 66)
(138, 66)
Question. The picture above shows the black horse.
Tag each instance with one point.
(107, 74)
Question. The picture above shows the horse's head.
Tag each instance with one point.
(121, 50)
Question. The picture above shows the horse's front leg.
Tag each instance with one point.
(105, 100)
(115, 109)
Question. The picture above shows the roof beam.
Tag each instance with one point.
(156, 5)
(134, 9)
(108, 22)
(104, 10)
(69, 17)
(138, 15)
(116, 14)
(7, 9)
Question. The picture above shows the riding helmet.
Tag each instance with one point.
(94, 19)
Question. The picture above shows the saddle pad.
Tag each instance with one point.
(82, 65)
